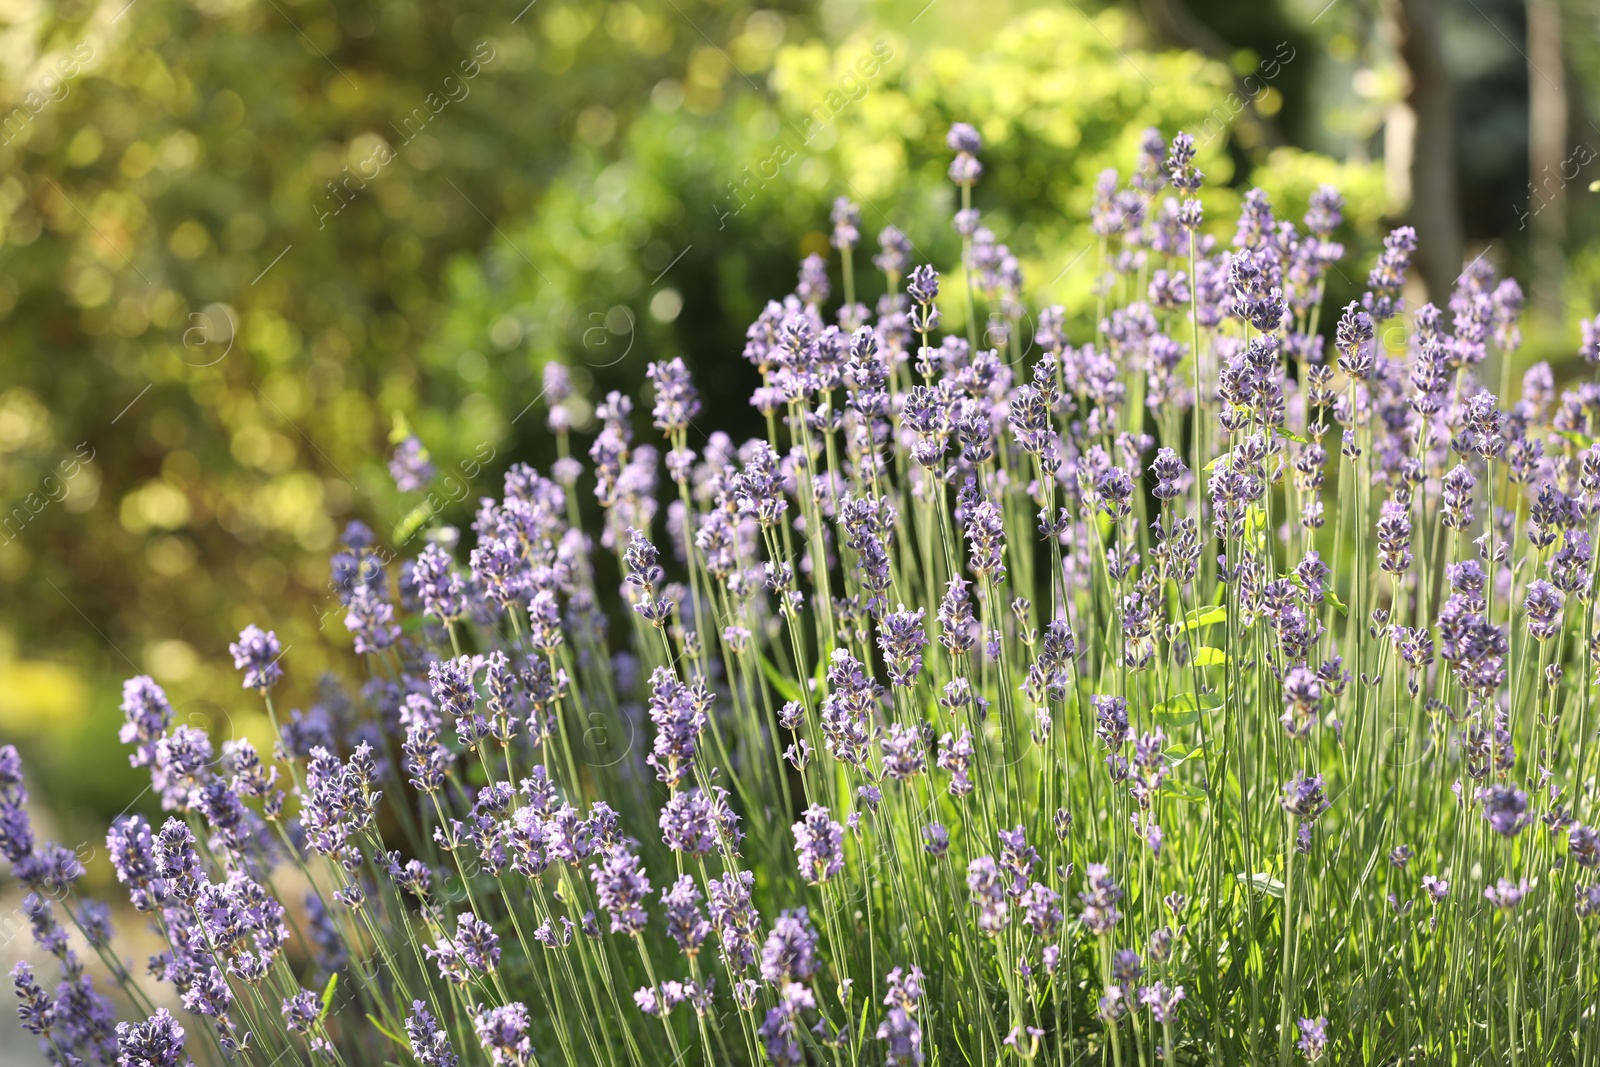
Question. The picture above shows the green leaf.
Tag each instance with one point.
(327, 994)
(787, 687)
(1186, 708)
(1184, 791)
(1262, 883)
(1290, 435)
(414, 520)
(380, 1028)
(1202, 617)
(1579, 439)
(1209, 467)
(1327, 594)
(1205, 656)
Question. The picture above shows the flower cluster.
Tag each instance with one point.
(1049, 690)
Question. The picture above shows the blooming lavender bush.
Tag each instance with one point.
(1010, 699)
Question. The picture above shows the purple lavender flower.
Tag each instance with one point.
(473, 951)
(965, 143)
(1506, 809)
(95, 918)
(338, 801)
(1162, 1002)
(132, 850)
(1313, 1038)
(688, 824)
(148, 715)
(902, 638)
(789, 954)
(734, 918)
(955, 756)
(1456, 498)
(370, 617)
(177, 864)
(1017, 859)
(643, 573)
(1326, 211)
(621, 886)
(1588, 903)
(1543, 605)
(895, 252)
(1302, 698)
(1100, 914)
(902, 752)
(409, 467)
(301, 1011)
(16, 830)
(923, 284)
(12, 790)
(986, 540)
(440, 587)
(498, 570)
(1180, 164)
(1354, 340)
(819, 845)
(1304, 798)
(1170, 474)
(963, 137)
(680, 906)
(759, 491)
(957, 623)
(1111, 721)
(182, 760)
(1041, 910)
(1389, 275)
(780, 1030)
(1394, 537)
(900, 1030)
(256, 653)
(1506, 894)
(848, 709)
(988, 895)
(156, 1042)
(37, 1009)
(679, 714)
(503, 1032)
(1583, 845)
(429, 1042)
(427, 760)
(846, 219)
(677, 401)
(813, 284)
(1485, 426)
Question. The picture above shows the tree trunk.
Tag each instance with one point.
(1172, 22)
(1435, 204)
(1546, 215)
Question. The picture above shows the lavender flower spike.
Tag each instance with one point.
(256, 653)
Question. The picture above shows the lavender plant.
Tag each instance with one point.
(1189, 694)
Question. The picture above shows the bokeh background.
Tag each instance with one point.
(245, 243)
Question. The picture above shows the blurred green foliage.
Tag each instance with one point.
(242, 239)
(673, 242)
(224, 240)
